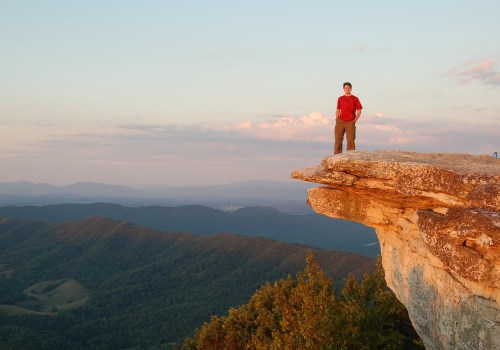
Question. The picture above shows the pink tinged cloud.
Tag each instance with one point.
(282, 122)
(241, 126)
(316, 119)
(387, 128)
(399, 140)
(377, 131)
(315, 127)
(483, 72)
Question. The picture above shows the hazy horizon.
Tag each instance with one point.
(288, 197)
(184, 93)
(139, 187)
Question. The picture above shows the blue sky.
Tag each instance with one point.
(178, 92)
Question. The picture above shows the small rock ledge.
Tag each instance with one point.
(437, 217)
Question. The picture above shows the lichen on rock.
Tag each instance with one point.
(437, 217)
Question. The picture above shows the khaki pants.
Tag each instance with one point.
(341, 128)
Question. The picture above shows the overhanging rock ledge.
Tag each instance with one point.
(437, 217)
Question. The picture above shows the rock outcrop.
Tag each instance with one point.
(437, 217)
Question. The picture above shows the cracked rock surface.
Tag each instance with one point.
(437, 217)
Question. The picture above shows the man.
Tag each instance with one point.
(347, 114)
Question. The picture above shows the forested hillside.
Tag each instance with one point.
(102, 284)
(306, 313)
(312, 229)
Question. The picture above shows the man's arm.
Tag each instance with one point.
(358, 114)
(337, 114)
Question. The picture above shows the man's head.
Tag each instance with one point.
(347, 88)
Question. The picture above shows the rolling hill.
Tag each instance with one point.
(310, 229)
(101, 283)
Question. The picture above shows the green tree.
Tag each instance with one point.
(305, 313)
(304, 310)
(370, 317)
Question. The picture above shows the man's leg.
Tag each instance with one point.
(339, 136)
(350, 130)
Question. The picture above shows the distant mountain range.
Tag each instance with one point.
(107, 284)
(309, 229)
(286, 196)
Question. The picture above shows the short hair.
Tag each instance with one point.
(348, 84)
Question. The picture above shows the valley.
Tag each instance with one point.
(104, 283)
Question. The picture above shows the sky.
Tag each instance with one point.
(185, 92)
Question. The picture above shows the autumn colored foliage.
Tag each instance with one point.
(306, 313)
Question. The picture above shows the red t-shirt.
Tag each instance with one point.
(348, 106)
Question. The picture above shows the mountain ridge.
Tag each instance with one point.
(283, 195)
(310, 229)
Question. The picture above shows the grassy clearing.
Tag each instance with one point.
(50, 297)
(20, 311)
(5, 271)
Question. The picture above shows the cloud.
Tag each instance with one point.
(483, 71)
(294, 136)
(280, 123)
(242, 126)
(377, 130)
(399, 140)
(313, 127)
(206, 153)
(316, 119)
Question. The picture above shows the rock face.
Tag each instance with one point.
(437, 217)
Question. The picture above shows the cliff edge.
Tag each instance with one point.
(437, 217)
